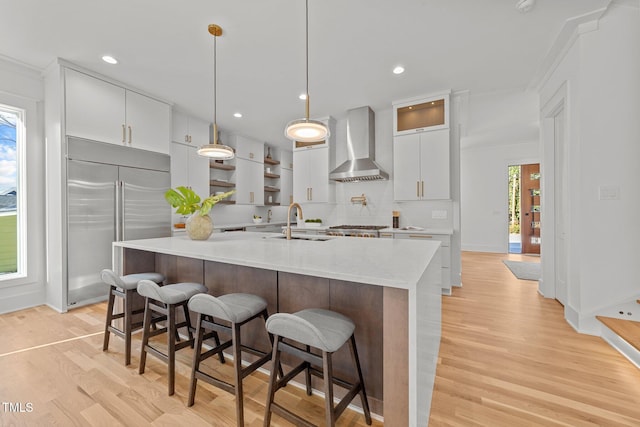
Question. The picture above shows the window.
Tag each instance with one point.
(12, 218)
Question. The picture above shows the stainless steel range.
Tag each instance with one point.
(355, 230)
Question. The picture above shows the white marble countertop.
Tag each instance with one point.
(383, 262)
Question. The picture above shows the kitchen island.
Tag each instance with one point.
(390, 288)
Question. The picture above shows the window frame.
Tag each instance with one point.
(9, 279)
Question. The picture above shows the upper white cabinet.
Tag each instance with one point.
(311, 168)
(188, 169)
(247, 148)
(311, 175)
(188, 129)
(421, 166)
(249, 182)
(99, 110)
(422, 114)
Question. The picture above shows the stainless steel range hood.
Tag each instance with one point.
(361, 149)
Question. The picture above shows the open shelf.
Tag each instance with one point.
(227, 202)
(271, 189)
(271, 175)
(221, 166)
(268, 161)
(215, 183)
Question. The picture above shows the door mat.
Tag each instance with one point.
(524, 270)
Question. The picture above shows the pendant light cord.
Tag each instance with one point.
(307, 55)
(215, 91)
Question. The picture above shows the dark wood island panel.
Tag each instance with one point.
(361, 303)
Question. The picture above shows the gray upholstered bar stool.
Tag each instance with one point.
(164, 300)
(236, 310)
(326, 331)
(124, 287)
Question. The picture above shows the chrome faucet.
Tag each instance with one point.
(296, 205)
(269, 213)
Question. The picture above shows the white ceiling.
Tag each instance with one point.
(164, 49)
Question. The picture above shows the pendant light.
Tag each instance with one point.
(216, 150)
(306, 130)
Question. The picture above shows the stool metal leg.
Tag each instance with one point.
(146, 323)
(196, 359)
(237, 364)
(107, 332)
(171, 347)
(363, 393)
(128, 314)
(307, 374)
(327, 368)
(275, 362)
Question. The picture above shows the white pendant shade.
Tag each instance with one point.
(306, 130)
(216, 151)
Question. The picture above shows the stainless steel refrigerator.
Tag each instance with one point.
(113, 193)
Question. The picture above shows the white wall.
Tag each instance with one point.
(502, 130)
(601, 72)
(22, 87)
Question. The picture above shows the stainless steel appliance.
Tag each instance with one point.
(355, 230)
(113, 193)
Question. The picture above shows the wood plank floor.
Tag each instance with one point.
(53, 372)
(507, 358)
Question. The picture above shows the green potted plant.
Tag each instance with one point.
(199, 225)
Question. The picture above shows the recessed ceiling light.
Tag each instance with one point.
(398, 70)
(303, 96)
(238, 115)
(109, 59)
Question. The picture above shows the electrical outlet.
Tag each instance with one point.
(438, 214)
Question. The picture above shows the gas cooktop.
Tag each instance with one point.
(358, 227)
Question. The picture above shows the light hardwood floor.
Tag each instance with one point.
(507, 358)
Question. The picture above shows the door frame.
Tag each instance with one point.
(548, 112)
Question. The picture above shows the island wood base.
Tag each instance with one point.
(370, 307)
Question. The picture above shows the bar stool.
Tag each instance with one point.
(164, 300)
(124, 287)
(326, 331)
(236, 309)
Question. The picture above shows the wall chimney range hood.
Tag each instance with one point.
(361, 149)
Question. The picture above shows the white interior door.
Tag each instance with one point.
(561, 172)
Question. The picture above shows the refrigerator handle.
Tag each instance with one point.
(122, 210)
(117, 205)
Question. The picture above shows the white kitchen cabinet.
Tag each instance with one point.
(188, 169)
(249, 182)
(286, 187)
(421, 166)
(188, 129)
(102, 111)
(247, 148)
(311, 175)
(444, 251)
(421, 114)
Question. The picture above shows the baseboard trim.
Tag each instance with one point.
(623, 347)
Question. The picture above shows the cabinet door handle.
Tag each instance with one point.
(420, 236)
(124, 134)
(422, 188)
(190, 140)
(251, 196)
(311, 193)
(130, 135)
(186, 138)
(417, 188)
(251, 155)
